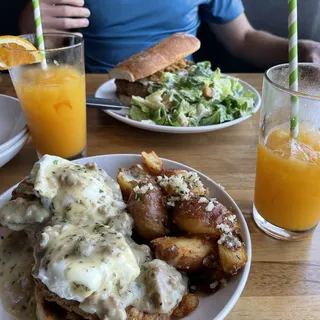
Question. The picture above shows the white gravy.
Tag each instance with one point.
(16, 282)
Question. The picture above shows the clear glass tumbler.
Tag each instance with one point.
(54, 98)
(287, 189)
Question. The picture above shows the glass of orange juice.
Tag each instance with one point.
(54, 98)
(287, 188)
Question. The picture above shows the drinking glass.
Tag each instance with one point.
(287, 189)
(54, 98)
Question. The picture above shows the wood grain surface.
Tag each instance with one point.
(284, 281)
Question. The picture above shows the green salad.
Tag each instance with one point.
(197, 96)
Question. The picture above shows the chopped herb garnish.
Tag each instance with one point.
(12, 268)
(55, 162)
(138, 196)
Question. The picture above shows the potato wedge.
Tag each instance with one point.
(129, 178)
(149, 213)
(188, 304)
(197, 217)
(126, 183)
(232, 259)
(186, 254)
(153, 162)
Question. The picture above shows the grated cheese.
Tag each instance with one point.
(210, 206)
(177, 183)
(182, 185)
(213, 285)
(144, 189)
(203, 200)
(172, 201)
(223, 227)
(232, 218)
(229, 240)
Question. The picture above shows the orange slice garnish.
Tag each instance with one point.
(15, 51)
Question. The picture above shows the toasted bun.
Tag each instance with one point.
(69, 307)
(51, 307)
(156, 58)
(46, 310)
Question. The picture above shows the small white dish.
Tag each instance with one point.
(13, 125)
(12, 151)
(215, 306)
(108, 90)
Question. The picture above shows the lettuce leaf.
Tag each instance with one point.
(178, 100)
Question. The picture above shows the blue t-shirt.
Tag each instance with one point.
(121, 28)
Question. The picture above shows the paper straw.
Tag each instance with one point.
(293, 65)
(39, 32)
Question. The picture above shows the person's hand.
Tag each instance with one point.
(309, 51)
(56, 15)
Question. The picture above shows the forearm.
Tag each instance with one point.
(260, 48)
(263, 49)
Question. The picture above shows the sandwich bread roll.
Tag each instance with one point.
(156, 58)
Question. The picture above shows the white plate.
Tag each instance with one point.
(12, 151)
(12, 122)
(108, 90)
(215, 306)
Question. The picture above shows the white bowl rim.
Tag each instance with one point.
(16, 145)
(245, 231)
(4, 146)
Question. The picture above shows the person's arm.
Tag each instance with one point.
(260, 48)
(56, 15)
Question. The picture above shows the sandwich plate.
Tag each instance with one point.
(215, 306)
(108, 90)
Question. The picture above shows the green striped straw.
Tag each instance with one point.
(293, 65)
(39, 32)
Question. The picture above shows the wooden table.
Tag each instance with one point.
(284, 281)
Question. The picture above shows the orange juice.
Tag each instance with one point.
(287, 191)
(54, 104)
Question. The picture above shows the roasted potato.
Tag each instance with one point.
(197, 189)
(126, 183)
(232, 259)
(197, 217)
(149, 213)
(186, 254)
(153, 162)
(129, 178)
(188, 304)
